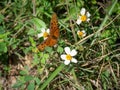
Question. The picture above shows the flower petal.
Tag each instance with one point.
(82, 12)
(78, 32)
(74, 60)
(45, 38)
(40, 35)
(88, 19)
(67, 50)
(73, 52)
(48, 31)
(63, 56)
(66, 62)
(88, 14)
(84, 33)
(78, 21)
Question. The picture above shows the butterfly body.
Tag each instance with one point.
(54, 34)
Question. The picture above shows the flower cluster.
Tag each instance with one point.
(68, 57)
(84, 16)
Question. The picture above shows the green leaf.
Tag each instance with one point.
(107, 73)
(44, 58)
(93, 1)
(2, 31)
(31, 86)
(28, 78)
(32, 41)
(23, 72)
(4, 35)
(60, 49)
(48, 49)
(37, 80)
(38, 23)
(3, 47)
(18, 84)
(31, 32)
(1, 18)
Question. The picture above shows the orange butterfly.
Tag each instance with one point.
(54, 34)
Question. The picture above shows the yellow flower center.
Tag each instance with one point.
(45, 34)
(83, 18)
(68, 57)
(80, 33)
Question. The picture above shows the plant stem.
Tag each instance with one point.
(106, 18)
(52, 76)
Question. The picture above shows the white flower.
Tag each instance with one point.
(44, 33)
(84, 16)
(81, 33)
(68, 57)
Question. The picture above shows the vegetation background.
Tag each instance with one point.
(24, 68)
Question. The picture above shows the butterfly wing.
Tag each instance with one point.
(52, 42)
(48, 42)
(45, 43)
(54, 34)
(54, 30)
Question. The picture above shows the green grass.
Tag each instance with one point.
(97, 53)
